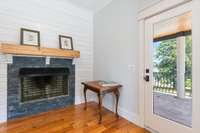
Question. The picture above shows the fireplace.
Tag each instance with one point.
(41, 83)
(35, 87)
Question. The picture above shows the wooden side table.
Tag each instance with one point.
(96, 86)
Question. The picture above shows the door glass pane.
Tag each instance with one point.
(172, 69)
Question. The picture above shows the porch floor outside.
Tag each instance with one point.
(173, 108)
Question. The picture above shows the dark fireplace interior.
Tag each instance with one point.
(40, 83)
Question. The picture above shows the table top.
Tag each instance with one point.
(97, 86)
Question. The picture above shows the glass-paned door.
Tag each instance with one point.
(168, 63)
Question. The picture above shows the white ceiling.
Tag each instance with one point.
(92, 5)
(147, 3)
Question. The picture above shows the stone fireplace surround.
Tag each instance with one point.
(15, 108)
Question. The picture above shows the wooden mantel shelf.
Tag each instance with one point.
(36, 51)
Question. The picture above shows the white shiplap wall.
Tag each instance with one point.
(51, 18)
(3, 91)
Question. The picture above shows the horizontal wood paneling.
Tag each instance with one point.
(51, 18)
(3, 91)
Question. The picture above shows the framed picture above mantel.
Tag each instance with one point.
(30, 37)
(66, 42)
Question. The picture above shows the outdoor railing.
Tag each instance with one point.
(166, 83)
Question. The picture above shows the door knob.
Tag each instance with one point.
(146, 78)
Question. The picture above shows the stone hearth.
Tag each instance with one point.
(15, 107)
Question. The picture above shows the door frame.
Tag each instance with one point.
(151, 119)
(158, 8)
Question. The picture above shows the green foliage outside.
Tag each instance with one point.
(166, 58)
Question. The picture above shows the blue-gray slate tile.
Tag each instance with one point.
(15, 107)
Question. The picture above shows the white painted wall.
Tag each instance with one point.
(51, 17)
(147, 3)
(116, 52)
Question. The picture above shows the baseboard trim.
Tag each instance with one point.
(130, 116)
(80, 100)
(3, 120)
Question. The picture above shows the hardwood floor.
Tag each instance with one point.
(73, 119)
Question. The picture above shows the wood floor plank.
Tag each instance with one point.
(73, 119)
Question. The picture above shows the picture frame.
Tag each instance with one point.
(66, 42)
(30, 37)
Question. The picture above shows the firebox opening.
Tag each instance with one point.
(42, 83)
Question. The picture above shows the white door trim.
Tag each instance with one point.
(159, 7)
(196, 64)
(154, 10)
(163, 5)
(141, 73)
(151, 119)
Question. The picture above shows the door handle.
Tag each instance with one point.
(146, 78)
